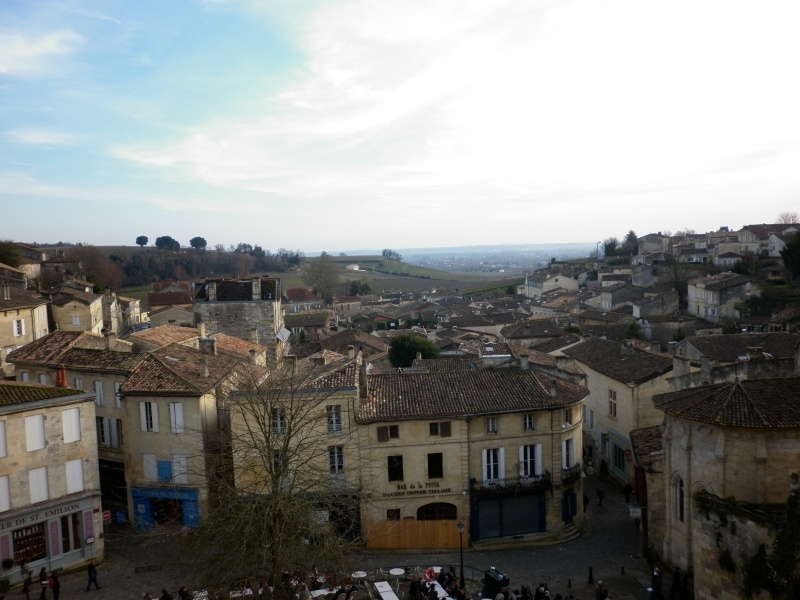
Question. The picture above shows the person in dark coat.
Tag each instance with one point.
(55, 585)
(43, 583)
(601, 493)
(91, 572)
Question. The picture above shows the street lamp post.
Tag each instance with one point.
(460, 526)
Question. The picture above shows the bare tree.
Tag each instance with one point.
(322, 276)
(677, 274)
(286, 500)
(788, 217)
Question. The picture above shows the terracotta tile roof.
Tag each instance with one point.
(557, 343)
(104, 361)
(178, 370)
(302, 350)
(239, 290)
(66, 294)
(757, 403)
(346, 299)
(614, 360)
(21, 299)
(307, 319)
(12, 393)
(722, 281)
(337, 372)
(532, 328)
(47, 349)
(358, 339)
(164, 335)
(729, 347)
(161, 309)
(446, 364)
(646, 442)
(228, 344)
(168, 298)
(462, 393)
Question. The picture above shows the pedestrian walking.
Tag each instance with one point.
(91, 571)
(55, 585)
(600, 494)
(165, 595)
(656, 585)
(585, 502)
(628, 489)
(43, 583)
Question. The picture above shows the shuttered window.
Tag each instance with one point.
(71, 421)
(74, 476)
(34, 432)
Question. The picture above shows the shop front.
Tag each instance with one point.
(54, 536)
(154, 506)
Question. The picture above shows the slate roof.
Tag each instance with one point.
(728, 347)
(12, 393)
(647, 441)
(628, 365)
(164, 335)
(757, 403)
(21, 299)
(462, 393)
(532, 328)
(168, 298)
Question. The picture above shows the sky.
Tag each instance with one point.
(336, 124)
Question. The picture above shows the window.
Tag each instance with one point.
(74, 476)
(679, 505)
(71, 422)
(395, 468)
(37, 478)
(3, 442)
(117, 395)
(149, 467)
(43, 378)
(567, 453)
(5, 494)
(442, 429)
(98, 393)
(387, 432)
(278, 421)
(103, 435)
(567, 416)
(148, 415)
(527, 422)
(493, 467)
(76, 321)
(392, 514)
(334, 413)
(164, 469)
(71, 533)
(116, 433)
(180, 471)
(591, 419)
(18, 327)
(491, 425)
(530, 460)
(23, 376)
(34, 432)
(176, 417)
(617, 458)
(78, 383)
(336, 459)
(435, 466)
(612, 403)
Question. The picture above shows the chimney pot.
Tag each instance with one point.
(553, 390)
(351, 352)
(523, 362)
(201, 330)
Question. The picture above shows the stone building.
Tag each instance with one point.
(499, 448)
(249, 309)
(76, 310)
(726, 447)
(23, 318)
(49, 484)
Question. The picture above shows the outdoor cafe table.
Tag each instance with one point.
(385, 590)
(320, 592)
(440, 591)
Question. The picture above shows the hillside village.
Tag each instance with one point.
(673, 369)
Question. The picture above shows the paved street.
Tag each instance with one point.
(139, 563)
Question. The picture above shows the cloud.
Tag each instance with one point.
(99, 16)
(40, 137)
(32, 56)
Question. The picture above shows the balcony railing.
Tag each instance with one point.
(571, 474)
(512, 485)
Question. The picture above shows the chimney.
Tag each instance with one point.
(754, 352)
(212, 291)
(680, 367)
(252, 357)
(202, 330)
(419, 355)
(553, 391)
(254, 335)
(362, 382)
(561, 362)
(705, 368)
(204, 364)
(256, 282)
(351, 352)
(523, 362)
(208, 346)
(319, 360)
(107, 335)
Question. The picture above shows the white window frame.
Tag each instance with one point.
(42, 378)
(491, 425)
(149, 466)
(75, 479)
(176, 417)
(528, 422)
(71, 423)
(493, 464)
(148, 416)
(180, 469)
(5, 493)
(18, 327)
(336, 460)
(279, 421)
(98, 392)
(34, 432)
(612, 403)
(76, 320)
(37, 480)
(117, 395)
(567, 453)
(24, 376)
(530, 460)
(78, 383)
(334, 415)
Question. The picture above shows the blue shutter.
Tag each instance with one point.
(164, 471)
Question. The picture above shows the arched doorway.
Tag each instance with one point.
(437, 511)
